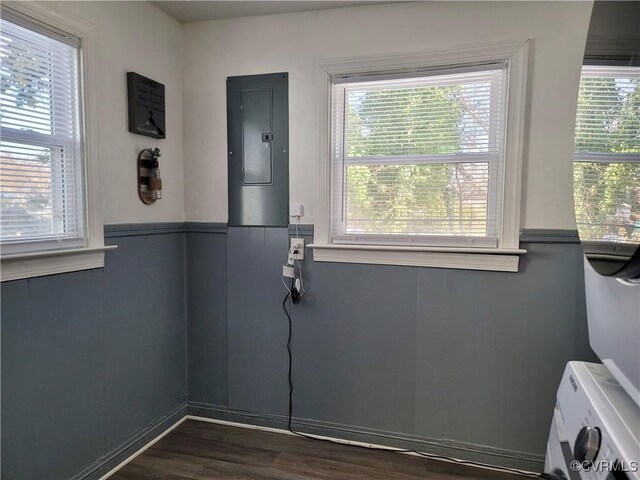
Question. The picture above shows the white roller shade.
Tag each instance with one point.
(40, 147)
(607, 158)
(419, 159)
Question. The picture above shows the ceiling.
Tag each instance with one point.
(193, 11)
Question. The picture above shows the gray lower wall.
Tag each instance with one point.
(459, 362)
(207, 313)
(94, 362)
(462, 363)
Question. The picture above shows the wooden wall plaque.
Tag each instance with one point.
(146, 106)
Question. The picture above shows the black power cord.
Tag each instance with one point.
(389, 449)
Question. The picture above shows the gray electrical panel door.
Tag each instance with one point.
(258, 150)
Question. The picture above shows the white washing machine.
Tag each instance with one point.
(595, 432)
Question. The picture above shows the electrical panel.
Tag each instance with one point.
(258, 150)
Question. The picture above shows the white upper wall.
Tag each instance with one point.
(138, 37)
(292, 43)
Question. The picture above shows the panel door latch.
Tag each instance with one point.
(267, 137)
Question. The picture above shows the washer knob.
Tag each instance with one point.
(557, 474)
(587, 444)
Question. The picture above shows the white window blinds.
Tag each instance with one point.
(419, 159)
(607, 155)
(41, 174)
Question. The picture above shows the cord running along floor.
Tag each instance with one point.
(202, 451)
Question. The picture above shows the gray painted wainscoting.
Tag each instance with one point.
(207, 313)
(93, 362)
(464, 363)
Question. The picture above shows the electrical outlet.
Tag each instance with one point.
(297, 248)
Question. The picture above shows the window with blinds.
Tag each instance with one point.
(607, 155)
(418, 159)
(41, 177)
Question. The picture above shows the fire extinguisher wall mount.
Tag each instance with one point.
(149, 181)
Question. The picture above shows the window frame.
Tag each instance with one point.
(89, 253)
(492, 159)
(504, 256)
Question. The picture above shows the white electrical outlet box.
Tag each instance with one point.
(297, 210)
(297, 248)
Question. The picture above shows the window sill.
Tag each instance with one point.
(493, 259)
(38, 264)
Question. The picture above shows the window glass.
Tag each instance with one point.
(419, 159)
(41, 192)
(607, 158)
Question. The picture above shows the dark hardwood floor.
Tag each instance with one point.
(201, 451)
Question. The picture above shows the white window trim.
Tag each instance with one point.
(35, 264)
(505, 257)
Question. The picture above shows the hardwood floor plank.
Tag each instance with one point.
(206, 451)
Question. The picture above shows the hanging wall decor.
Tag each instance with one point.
(149, 181)
(146, 106)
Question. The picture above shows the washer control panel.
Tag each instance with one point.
(600, 422)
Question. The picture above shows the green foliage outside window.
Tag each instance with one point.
(406, 198)
(607, 195)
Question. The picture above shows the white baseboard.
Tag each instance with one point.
(359, 444)
(287, 432)
(141, 450)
